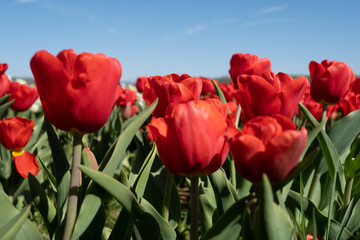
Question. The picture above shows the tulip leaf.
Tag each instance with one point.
(109, 164)
(353, 223)
(5, 163)
(271, 221)
(344, 131)
(142, 178)
(48, 174)
(155, 192)
(148, 220)
(309, 207)
(228, 225)
(219, 93)
(43, 203)
(124, 226)
(9, 230)
(61, 166)
(330, 152)
(8, 212)
(4, 99)
(207, 210)
(5, 106)
(34, 140)
(223, 193)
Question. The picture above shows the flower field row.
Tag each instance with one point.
(266, 156)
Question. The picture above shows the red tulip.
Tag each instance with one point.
(208, 86)
(77, 92)
(126, 96)
(228, 89)
(25, 163)
(247, 64)
(15, 133)
(24, 96)
(330, 81)
(267, 145)
(4, 80)
(269, 94)
(316, 108)
(140, 83)
(171, 89)
(190, 138)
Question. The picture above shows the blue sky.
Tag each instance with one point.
(193, 37)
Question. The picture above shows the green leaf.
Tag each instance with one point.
(276, 223)
(343, 133)
(330, 152)
(4, 99)
(27, 230)
(308, 206)
(353, 223)
(142, 179)
(5, 106)
(9, 230)
(124, 226)
(109, 164)
(219, 92)
(207, 210)
(61, 166)
(223, 193)
(228, 225)
(43, 203)
(146, 218)
(48, 174)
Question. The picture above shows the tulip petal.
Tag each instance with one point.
(248, 152)
(26, 163)
(282, 154)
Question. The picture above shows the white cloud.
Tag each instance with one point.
(263, 22)
(223, 21)
(195, 29)
(271, 9)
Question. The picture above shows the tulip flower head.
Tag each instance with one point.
(330, 81)
(24, 96)
(15, 133)
(126, 101)
(140, 83)
(77, 92)
(190, 138)
(4, 80)
(269, 94)
(247, 64)
(267, 145)
(171, 89)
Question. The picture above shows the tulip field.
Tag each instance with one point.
(265, 156)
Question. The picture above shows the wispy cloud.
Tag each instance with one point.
(223, 21)
(264, 22)
(26, 1)
(112, 30)
(195, 29)
(272, 9)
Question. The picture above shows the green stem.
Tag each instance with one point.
(167, 196)
(74, 187)
(323, 114)
(314, 182)
(232, 172)
(194, 232)
(347, 196)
